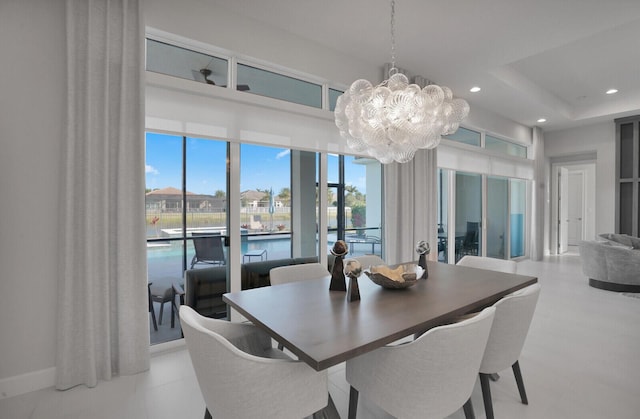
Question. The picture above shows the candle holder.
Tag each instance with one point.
(423, 249)
(353, 270)
(338, 282)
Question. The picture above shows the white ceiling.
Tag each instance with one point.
(532, 58)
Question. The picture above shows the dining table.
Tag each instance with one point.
(322, 328)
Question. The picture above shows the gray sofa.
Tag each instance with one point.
(204, 287)
(612, 263)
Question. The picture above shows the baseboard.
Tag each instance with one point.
(26, 383)
(612, 286)
(37, 380)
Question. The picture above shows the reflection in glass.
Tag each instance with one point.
(468, 214)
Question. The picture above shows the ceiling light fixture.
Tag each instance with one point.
(612, 91)
(542, 120)
(392, 120)
(475, 89)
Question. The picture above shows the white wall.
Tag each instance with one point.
(598, 138)
(32, 113)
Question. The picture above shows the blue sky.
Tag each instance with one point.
(260, 167)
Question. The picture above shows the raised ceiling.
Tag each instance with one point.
(533, 59)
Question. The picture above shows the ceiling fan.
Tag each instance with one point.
(207, 72)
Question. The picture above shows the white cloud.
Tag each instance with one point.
(283, 153)
(151, 169)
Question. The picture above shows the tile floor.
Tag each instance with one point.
(581, 360)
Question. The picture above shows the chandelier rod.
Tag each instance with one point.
(393, 69)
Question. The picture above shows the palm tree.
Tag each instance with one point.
(285, 196)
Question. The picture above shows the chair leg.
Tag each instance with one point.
(486, 395)
(161, 311)
(152, 311)
(174, 309)
(153, 317)
(468, 410)
(207, 415)
(518, 374)
(353, 403)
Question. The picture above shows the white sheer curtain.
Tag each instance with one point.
(103, 326)
(410, 209)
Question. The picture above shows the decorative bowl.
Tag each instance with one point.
(401, 276)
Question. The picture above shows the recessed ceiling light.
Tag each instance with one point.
(612, 91)
(542, 120)
(475, 89)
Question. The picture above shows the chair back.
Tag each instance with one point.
(300, 272)
(491, 264)
(368, 261)
(208, 250)
(510, 328)
(430, 377)
(238, 376)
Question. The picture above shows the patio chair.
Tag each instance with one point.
(208, 250)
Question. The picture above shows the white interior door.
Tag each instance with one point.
(563, 209)
(575, 210)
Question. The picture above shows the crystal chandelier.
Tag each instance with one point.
(392, 120)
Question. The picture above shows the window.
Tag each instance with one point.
(270, 84)
(505, 147)
(354, 209)
(266, 200)
(333, 98)
(186, 190)
(465, 136)
(505, 208)
(186, 64)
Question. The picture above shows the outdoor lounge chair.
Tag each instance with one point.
(208, 250)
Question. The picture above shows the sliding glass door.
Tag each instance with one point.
(468, 215)
(497, 217)
(481, 215)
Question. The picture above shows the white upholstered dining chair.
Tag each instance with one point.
(241, 376)
(369, 260)
(508, 333)
(294, 273)
(300, 272)
(430, 377)
(491, 264)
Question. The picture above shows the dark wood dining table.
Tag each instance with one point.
(323, 328)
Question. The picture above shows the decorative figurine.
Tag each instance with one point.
(423, 249)
(353, 269)
(338, 282)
